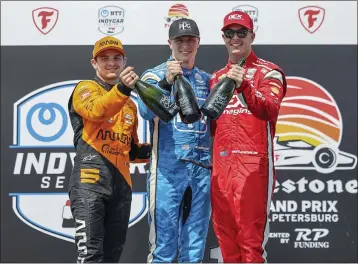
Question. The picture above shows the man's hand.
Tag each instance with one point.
(173, 69)
(236, 73)
(128, 77)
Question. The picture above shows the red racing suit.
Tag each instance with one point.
(243, 174)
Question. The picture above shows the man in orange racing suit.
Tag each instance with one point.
(243, 171)
(104, 121)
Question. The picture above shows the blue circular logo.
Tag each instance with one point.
(51, 117)
(104, 12)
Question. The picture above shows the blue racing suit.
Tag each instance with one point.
(179, 164)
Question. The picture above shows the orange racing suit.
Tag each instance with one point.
(104, 121)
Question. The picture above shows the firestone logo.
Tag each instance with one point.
(45, 19)
(311, 17)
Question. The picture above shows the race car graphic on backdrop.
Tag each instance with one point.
(309, 130)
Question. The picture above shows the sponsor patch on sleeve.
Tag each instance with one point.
(274, 75)
(275, 84)
(84, 93)
(274, 90)
(264, 71)
(128, 119)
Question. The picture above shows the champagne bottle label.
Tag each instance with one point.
(220, 102)
(220, 96)
(185, 104)
(156, 101)
(171, 106)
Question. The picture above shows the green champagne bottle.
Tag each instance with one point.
(156, 101)
(220, 96)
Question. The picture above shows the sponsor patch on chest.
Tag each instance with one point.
(250, 73)
(128, 119)
(198, 79)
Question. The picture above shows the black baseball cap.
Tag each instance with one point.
(183, 27)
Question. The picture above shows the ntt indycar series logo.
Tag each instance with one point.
(43, 141)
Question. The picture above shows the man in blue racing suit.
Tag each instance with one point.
(179, 175)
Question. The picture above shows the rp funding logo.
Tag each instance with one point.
(309, 130)
(311, 17)
(45, 19)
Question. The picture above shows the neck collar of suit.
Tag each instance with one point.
(105, 85)
(249, 60)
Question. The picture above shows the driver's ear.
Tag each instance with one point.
(170, 44)
(253, 35)
(124, 61)
(94, 64)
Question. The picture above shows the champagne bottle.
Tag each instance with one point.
(156, 101)
(186, 100)
(220, 96)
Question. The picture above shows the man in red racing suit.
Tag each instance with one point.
(243, 174)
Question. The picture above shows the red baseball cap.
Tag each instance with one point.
(238, 18)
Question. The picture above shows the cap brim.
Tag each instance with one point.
(234, 23)
(110, 48)
(182, 35)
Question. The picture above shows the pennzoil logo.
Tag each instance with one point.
(309, 130)
(176, 12)
(43, 150)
